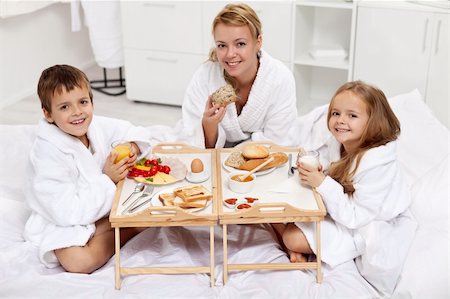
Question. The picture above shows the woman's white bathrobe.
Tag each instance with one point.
(368, 222)
(269, 112)
(66, 188)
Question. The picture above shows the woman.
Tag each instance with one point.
(266, 104)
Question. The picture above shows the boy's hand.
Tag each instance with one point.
(310, 175)
(117, 172)
(135, 152)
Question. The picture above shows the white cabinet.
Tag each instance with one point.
(166, 41)
(323, 49)
(405, 46)
(163, 46)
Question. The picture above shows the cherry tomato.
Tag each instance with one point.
(154, 162)
(161, 168)
(153, 170)
(166, 169)
(147, 162)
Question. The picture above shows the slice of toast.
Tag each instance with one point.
(192, 193)
(167, 199)
(193, 204)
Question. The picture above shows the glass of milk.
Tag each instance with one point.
(310, 158)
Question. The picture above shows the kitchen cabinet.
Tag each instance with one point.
(323, 49)
(403, 46)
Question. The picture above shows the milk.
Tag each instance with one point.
(310, 158)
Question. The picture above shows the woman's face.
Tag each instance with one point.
(348, 119)
(236, 50)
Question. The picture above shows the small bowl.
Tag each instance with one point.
(238, 186)
(230, 202)
(242, 205)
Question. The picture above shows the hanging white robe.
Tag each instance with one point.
(269, 112)
(66, 188)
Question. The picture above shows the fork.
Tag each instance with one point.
(148, 190)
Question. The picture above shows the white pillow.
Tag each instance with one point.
(16, 142)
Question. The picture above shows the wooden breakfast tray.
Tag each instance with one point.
(156, 216)
(163, 215)
(275, 204)
(282, 199)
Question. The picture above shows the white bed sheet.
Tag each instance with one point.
(425, 274)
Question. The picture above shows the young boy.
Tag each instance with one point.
(72, 174)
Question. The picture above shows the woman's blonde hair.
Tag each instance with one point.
(382, 127)
(236, 15)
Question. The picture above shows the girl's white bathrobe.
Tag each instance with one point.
(66, 188)
(269, 112)
(368, 223)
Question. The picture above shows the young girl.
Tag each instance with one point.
(364, 190)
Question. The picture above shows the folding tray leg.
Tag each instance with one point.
(318, 255)
(225, 255)
(117, 241)
(211, 252)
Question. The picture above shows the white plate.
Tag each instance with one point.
(157, 203)
(258, 173)
(198, 177)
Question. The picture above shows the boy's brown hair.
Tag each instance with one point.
(57, 77)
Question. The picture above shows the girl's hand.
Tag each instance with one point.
(212, 116)
(117, 172)
(310, 175)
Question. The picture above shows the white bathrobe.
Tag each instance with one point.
(368, 222)
(66, 188)
(269, 112)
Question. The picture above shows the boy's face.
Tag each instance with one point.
(72, 112)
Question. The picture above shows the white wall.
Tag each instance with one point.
(29, 43)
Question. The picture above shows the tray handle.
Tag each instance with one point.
(172, 146)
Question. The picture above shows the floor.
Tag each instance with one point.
(28, 110)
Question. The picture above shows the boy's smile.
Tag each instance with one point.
(72, 112)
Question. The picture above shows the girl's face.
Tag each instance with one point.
(72, 112)
(237, 50)
(348, 119)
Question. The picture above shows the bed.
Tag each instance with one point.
(423, 151)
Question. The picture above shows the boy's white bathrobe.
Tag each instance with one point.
(269, 112)
(375, 224)
(66, 188)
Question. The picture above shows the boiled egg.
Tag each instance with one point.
(197, 166)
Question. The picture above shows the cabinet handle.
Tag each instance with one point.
(424, 44)
(162, 59)
(438, 35)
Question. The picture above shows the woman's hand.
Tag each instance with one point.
(212, 116)
(310, 175)
(117, 171)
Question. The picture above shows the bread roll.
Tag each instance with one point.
(224, 96)
(255, 151)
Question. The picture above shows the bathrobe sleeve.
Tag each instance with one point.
(60, 196)
(193, 106)
(363, 207)
(372, 182)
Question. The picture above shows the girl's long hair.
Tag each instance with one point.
(382, 127)
(236, 15)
